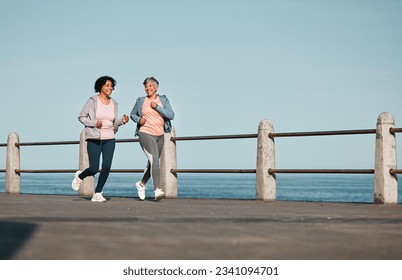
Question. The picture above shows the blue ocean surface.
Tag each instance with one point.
(290, 187)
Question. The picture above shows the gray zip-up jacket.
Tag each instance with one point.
(88, 118)
(166, 111)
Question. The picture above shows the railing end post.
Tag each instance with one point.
(265, 181)
(168, 162)
(88, 184)
(13, 181)
(385, 182)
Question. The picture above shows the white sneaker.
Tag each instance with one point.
(98, 197)
(141, 190)
(159, 194)
(76, 183)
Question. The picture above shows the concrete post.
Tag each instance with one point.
(385, 184)
(13, 180)
(265, 182)
(88, 184)
(168, 161)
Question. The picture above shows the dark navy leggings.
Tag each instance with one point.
(96, 148)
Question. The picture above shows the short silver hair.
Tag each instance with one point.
(151, 79)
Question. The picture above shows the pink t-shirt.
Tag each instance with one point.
(105, 113)
(154, 121)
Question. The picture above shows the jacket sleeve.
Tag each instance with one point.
(166, 111)
(85, 117)
(117, 121)
(136, 112)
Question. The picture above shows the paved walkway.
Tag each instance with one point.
(72, 227)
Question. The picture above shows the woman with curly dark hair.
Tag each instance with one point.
(99, 116)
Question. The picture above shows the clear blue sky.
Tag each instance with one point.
(224, 64)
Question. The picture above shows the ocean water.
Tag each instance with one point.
(290, 187)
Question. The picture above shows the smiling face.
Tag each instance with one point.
(151, 88)
(107, 88)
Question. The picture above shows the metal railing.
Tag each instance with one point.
(221, 137)
(323, 133)
(59, 143)
(264, 172)
(213, 137)
(174, 139)
(379, 192)
(278, 135)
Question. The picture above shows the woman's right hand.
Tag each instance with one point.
(99, 124)
(142, 121)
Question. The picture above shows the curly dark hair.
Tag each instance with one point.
(101, 81)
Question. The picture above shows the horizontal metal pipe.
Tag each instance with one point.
(214, 137)
(130, 140)
(394, 130)
(340, 171)
(18, 171)
(2, 170)
(322, 133)
(127, 170)
(395, 171)
(271, 171)
(67, 142)
(47, 143)
(213, 170)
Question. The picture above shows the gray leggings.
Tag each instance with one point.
(152, 147)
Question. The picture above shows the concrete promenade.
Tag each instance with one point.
(49, 227)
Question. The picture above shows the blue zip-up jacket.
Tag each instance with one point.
(88, 118)
(166, 112)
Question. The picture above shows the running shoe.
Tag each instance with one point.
(76, 183)
(159, 194)
(141, 190)
(98, 197)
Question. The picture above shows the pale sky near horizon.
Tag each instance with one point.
(224, 64)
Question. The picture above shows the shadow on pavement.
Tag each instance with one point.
(13, 235)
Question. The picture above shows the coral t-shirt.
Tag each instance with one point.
(154, 120)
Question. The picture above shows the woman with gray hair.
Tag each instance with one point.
(153, 114)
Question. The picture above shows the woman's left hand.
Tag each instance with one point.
(125, 119)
